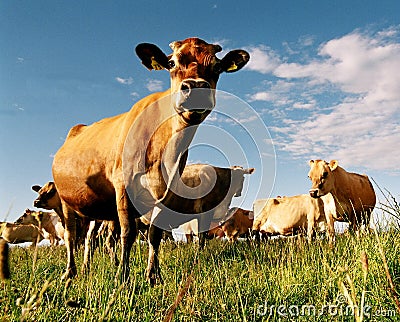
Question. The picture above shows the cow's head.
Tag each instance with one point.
(194, 69)
(321, 176)
(30, 217)
(48, 196)
(238, 179)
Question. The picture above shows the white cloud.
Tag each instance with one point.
(262, 59)
(124, 81)
(154, 85)
(351, 102)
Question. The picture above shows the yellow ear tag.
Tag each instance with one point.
(232, 67)
(155, 65)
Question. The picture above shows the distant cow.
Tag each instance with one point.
(288, 215)
(190, 229)
(239, 223)
(20, 233)
(216, 186)
(353, 193)
(49, 199)
(49, 223)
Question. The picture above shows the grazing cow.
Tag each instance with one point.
(20, 233)
(238, 223)
(122, 166)
(353, 194)
(288, 215)
(49, 222)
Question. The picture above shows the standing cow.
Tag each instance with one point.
(205, 197)
(123, 166)
(49, 199)
(353, 194)
(288, 215)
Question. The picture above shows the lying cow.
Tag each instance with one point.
(20, 233)
(353, 194)
(238, 223)
(288, 215)
(49, 223)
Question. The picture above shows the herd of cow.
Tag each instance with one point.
(128, 174)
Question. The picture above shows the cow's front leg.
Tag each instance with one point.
(69, 238)
(126, 215)
(153, 269)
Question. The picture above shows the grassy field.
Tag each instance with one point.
(281, 280)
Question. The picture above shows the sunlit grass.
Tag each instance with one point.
(224, 282)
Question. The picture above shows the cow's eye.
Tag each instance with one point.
(324, 175)
(171, 63)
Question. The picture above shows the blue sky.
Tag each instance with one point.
(323, 78)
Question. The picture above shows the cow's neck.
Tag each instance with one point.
(166, 156)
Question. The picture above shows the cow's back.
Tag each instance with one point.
(20, 233)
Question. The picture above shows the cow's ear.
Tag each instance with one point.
(311, 162)
(152, 56)
(249, 171)
(36, 188)
(234, 61)
(333, 164)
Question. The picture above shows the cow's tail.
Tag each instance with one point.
(4, 267)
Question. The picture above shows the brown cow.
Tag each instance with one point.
(122, 166)
(20, 233)
(49, 222)
(289, 215)
(353, 194)
(238, 223)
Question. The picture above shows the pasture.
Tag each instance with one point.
(281, 280)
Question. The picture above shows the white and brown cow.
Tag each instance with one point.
(353, 194)
(20, 233)
(289, 215)
(49, 223)
(122, 166)
(216, 187)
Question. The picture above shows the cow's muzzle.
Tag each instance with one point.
(314, 193)
(37, 203)
(195, 96)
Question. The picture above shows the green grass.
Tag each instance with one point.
(226, 282)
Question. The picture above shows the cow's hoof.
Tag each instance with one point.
(154, 279)
(69, 273)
